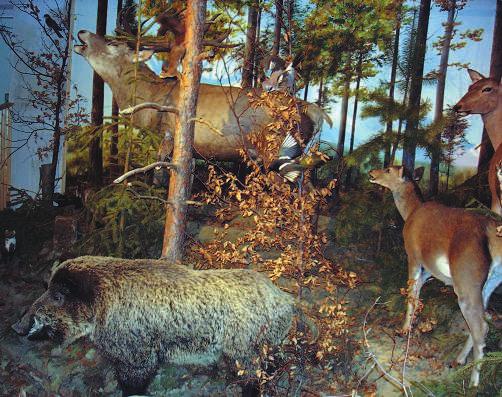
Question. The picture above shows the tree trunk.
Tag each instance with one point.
(343, 117)
(405, 96)
(60, 100)
(392, 85)
(249, 58)
(278, 27)
(257, 57)
(306, 88)
(320, 93)
(410, 145)
(291, 5)
(356, 99)
(486, 151)
(114, 145)
(179, 183)
(98, 93)
(438, 107)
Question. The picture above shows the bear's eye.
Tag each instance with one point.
(487, 89)
(58, 298)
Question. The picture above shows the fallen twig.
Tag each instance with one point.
(373, 357)
(144, 169)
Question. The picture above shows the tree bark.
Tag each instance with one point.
(343, 117)
(257, 56)
(410, 145)
(405, 97)
(249, 58)
(278, 27)
(356, 100)
(320, 93)
(438, 107)
(392, 85)
(306, 88)
(179, 184)
(98, 93)
(114, 145)
(60, 100)
(486, 150)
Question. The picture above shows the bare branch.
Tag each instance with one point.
(144, 169)
(148, 105)
(165, 202)
(208, 125)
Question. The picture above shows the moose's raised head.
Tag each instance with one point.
(107, 57)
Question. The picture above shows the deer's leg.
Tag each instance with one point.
(417, 276)
(492, 281)
(462, 356)
(472, 309)
(469, 270)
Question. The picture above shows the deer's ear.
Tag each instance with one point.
(400, 171)
(475, 76)
(418, 173)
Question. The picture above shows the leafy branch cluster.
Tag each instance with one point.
(280, 238)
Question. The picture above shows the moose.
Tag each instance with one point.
(458, 247)
(225, 113)
(484, 97)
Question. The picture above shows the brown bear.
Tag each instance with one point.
(143, 313)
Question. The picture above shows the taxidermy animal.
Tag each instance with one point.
(143, 313)
(53, 25)
(228, 118)
(8, 247)
(458, 247)
(292, 161)
(484, 97)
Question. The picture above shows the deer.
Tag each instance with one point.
(484, 97)
(224, 114)
(456, 246)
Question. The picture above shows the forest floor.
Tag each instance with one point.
(38, 368)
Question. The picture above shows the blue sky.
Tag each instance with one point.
(477, 14)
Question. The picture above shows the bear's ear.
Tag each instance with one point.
(76, 285)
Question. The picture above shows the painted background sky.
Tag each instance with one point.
(477, 14)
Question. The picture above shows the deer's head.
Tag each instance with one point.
(108, 58)
(482, 96)
(394, 176)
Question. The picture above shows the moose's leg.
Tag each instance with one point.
(161, 175)
(417, 276)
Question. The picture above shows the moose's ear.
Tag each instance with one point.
(418, 173)
(475, 76)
